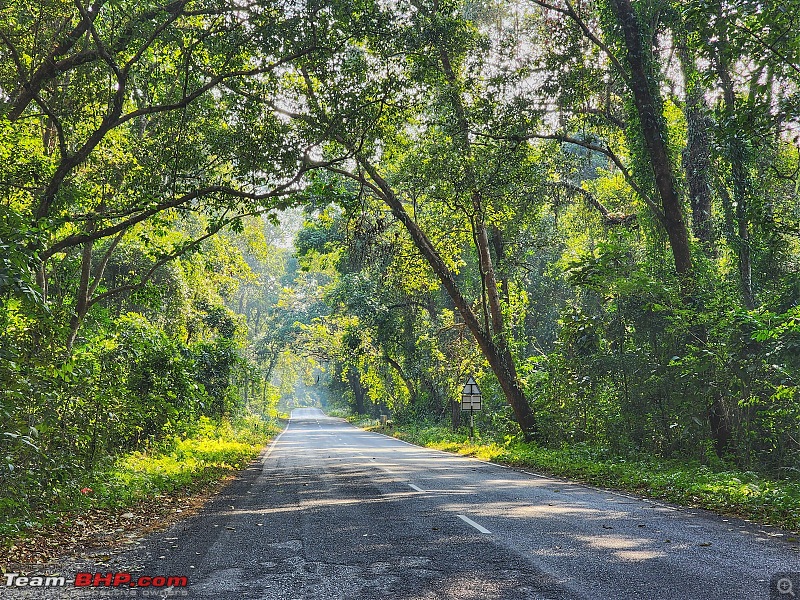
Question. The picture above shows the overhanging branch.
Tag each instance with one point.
(80, 238)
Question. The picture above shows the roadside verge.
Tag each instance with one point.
(141, 492)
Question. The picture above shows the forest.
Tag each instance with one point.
(214, 211)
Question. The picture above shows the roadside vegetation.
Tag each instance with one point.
(203, 454)
(185, 463)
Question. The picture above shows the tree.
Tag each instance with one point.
(128, 111)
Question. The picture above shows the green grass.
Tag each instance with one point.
(335, 411)
(208, 452)
(739, 493)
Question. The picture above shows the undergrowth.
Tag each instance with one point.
(204, 453)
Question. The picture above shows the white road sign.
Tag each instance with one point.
(471, 396)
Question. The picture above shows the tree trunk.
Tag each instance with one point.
(697, 155)
(82, 296)
(487, 272)
(720, 422)
(87, 287)
(491, 340)
(358, 390)
(736, 155)
(455, 414)
(412, 393)
(498, 355)
(500, 257)
(273, 361)
(648, 106)
(494, 342)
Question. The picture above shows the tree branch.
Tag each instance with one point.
(31, 86)
(115, 119)
(101, 267)
(77, 239)
(609, 218)
(51, 67)
(787, 61)
(62, 142)
(606, 151)
(572, 14)
(162, 261)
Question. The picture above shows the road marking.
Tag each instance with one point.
(275, 442)
(413, 487)
(554, 479)
(474, 524)
(534, 474)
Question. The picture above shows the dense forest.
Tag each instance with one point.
(213, 208)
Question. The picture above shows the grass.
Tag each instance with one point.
(205, 454)
(335, 411)
(743, 494)
(208, 454)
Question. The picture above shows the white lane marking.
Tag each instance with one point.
(413, 487)
(552, 478)
(480, 528)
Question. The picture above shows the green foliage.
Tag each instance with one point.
(205, 452)
(17, 261)
(130, 384)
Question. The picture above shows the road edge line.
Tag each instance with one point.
(553, 478)
(274, 442)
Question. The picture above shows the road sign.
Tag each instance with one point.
(471, 396)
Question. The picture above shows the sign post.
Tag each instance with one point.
(471, 401)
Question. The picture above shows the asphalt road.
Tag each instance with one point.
(333, 512)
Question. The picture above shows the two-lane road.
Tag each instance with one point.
(336, 512)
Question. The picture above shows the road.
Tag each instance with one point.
(334, 512)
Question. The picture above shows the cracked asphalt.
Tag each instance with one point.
(334, 512)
